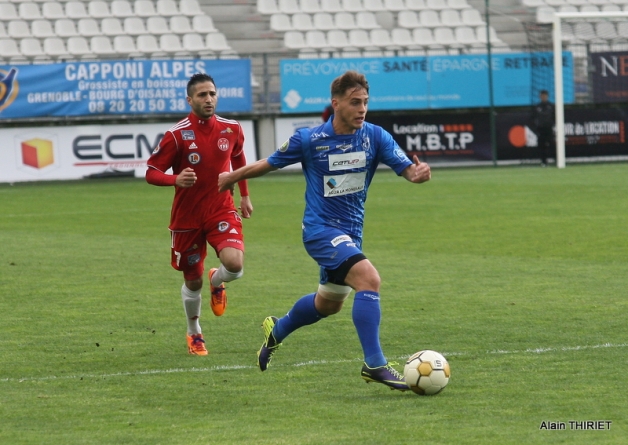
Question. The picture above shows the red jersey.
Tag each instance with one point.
(209, 147)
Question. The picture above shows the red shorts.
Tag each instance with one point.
(189, 247)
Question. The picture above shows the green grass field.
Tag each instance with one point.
(519, 276)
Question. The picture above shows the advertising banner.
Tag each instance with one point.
(440, 137)
(76, 152)
(430, 82)
(610, 77)
(118, 87)
(588, 132)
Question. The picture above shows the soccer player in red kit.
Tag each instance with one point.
(198, 149)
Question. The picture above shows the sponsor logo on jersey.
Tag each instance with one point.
(223, 144)
(284, 146)
(320, 135)
(322, 148)
(347, 160)
(188, 135)
(194, 158)
(341, 239)
(223, 226)
(156, 150)
(226, 130)
(344, 147)
(233, 231)
(339, 185)
(193, 146)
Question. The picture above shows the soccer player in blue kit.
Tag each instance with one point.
(339, 159)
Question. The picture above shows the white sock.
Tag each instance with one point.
(222, 275)
(192, 306)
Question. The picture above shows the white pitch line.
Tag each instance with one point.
(308, 363)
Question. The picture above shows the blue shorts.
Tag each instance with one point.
(330, 249)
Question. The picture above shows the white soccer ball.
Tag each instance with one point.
(426, 372)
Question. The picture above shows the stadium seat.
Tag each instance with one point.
(458, 4)
(555, 3)
(331, 6)
(545, 14)
(394, 5)
(294, 40)
(31, 48)
(382, 38)
(423, 37)
(366, 20)
(29, 11)
(125, 45)
(344, 20)
(190, 8)
(145, 8)
(445, 36)
(589, 8)
(88, 28)
(450, 17)
(471, 17)
(567, 8)
(402, 37)
(622, 29)
(171, 44)
(203, 24)
(352, 5)
(65, 28)
(311, 6)
(18, 29)
(180, 24)
(302, 22)
(267, 7)
(216, 41)
(465, 35)
(408, 19)
(3, 30)
(374, 5)
(8, 12)
(359, 38)
(429, 18)
(480, 33)
(55, 48)
(194, 43)
(122, 9)
(148, 44)
(167, 8)
(79, 46)
(52, 11)
(606, 30)
(101, 46)
(112, 26)
(157, 25)
(416, 5)
(316, 39)
(280, 22)
(98, 9)
(289, 6)
(533, 3)
(337, 38)
(75, 10)
(134, 26)
(574, 2)
(42, 28)
(584, 31)
(11, 52)
(611, 8)
(436, 5)
(324, 21)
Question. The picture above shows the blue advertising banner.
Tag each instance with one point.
(118, 87)
(402, 83)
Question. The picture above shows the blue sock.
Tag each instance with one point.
(367, 314)
(302, 314)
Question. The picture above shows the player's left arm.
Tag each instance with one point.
(238, 160)
(418, 172)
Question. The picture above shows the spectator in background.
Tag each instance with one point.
(543, 122)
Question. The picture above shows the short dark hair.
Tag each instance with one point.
(544, 92)
(349, 80)
(198, 78)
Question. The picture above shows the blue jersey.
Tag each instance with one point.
(338, 170)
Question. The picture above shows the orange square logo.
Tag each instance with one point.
(37, 153)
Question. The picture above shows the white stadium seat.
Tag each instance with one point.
(190, 8)
(148, 44)
(450, 17)
(471, 17)
(55, 47)
(88, 28)
(316, 39)
(267, 7)
(324, 21)
(79, 46)
(345, 20)
(445, 36)
(157, 25)
(408, 19)
(203, 24)
(216, 41)
(311, 6)
(98, 9)
(194, 43)
(331, 6)
(10, 51)
(366, 20)
(302, 22)
(167, 8)
(145, 8)
(374, 5)
(171, 44)
(42, 28)
(112, 26)
(29, 11)
(3, 30)
(101, 46)
(125, 45)
(465, 35)
(280, 22)
(429, 18)
(352, 5)
(52, 10)
(65, 28)
(436, 5)
(458, 4)
(31, 48)
(180, 24)
(394, 5)
(289, 6)
(18, 29)
(75, 10)
(337, 38)
(122, 9)
(8, 12)
(294, 40)
(134, 26)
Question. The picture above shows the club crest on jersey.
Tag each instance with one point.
(344, 147)
(193, 146)
(366, 143)
(284, 146)
(223, 226)
(156, 150)
(188, 135)
(227, 130)
(223, 144)
(194, 158)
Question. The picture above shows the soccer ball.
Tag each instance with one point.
(426, 372)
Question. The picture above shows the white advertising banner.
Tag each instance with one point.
(287, 126)
(76, 152)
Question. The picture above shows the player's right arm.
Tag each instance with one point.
(254, 170)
